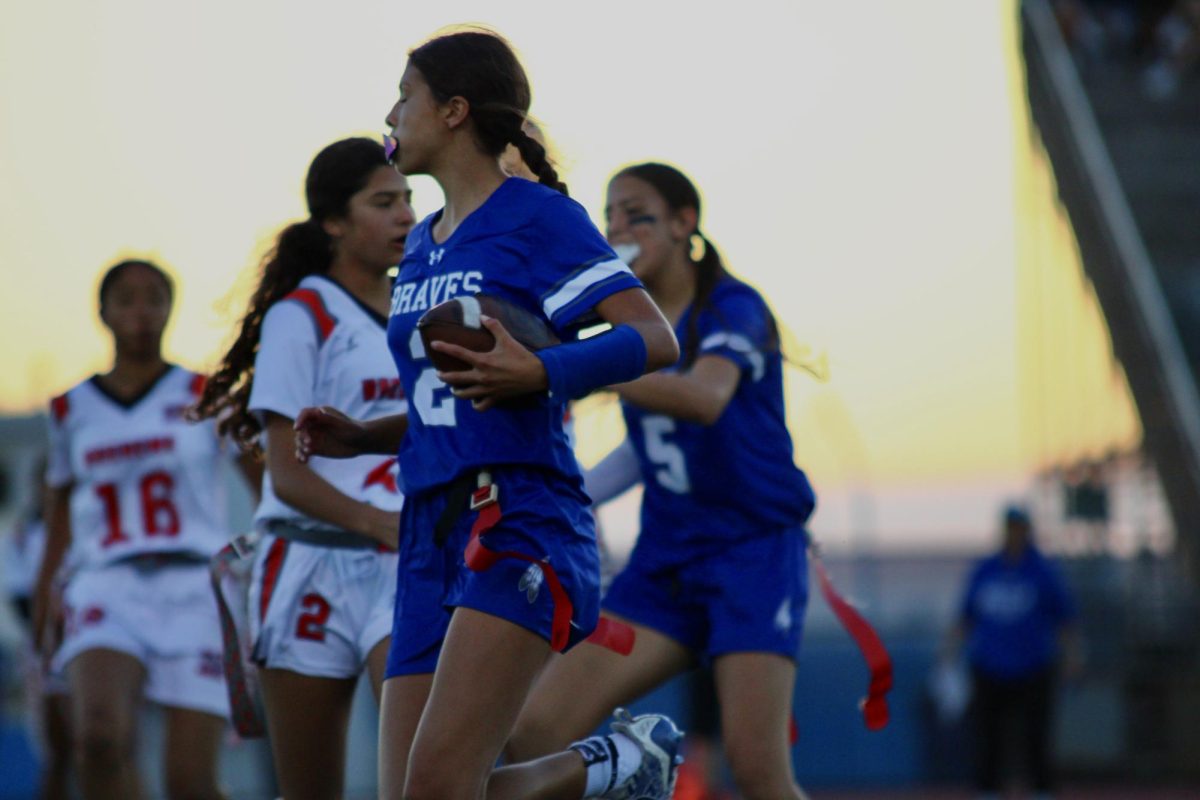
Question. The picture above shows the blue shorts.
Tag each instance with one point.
(544, 515)
(749, 596)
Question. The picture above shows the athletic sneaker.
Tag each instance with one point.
(658, 739)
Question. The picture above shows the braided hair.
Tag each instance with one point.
(480, 67)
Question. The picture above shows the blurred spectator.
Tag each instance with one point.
(1175, 49)
(1016, 614)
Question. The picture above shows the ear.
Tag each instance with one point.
(683, 223)
(455, 112)
(334, 227)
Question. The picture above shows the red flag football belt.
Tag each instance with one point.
(485, 500)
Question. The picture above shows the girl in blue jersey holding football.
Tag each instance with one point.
(486, 589)
(719, 571)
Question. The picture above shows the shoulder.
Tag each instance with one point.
(309, 306)
(549, 206)
(731, 292)
(194, 381)
(63, 405)
(1045, 566)
(985, 567)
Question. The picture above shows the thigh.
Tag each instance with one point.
(105, 691)
(307, 719)
(487, 667)
(401, 704)
(191, 751)
(377, 667)
(755, 694)
(579, 689)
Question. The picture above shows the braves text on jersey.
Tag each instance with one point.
(534, 247)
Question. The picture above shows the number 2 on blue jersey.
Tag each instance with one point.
(432, 409)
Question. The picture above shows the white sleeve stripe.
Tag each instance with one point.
(572, 289)
(739, 344)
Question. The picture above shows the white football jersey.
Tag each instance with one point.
(321, 346)
(144, 479)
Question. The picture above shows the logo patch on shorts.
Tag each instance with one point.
(531, 582)
(783, 617)
(211, 664)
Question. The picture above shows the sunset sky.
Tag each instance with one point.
(868, 165)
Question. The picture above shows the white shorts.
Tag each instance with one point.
(319, 610)
(165, 617)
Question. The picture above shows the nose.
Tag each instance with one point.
(405, 214)
(390, 120)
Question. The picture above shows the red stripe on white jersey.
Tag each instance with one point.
(59, 407)
(271, 572)
(311, 300)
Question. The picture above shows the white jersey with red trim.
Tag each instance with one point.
(143, 478)
(321, 346)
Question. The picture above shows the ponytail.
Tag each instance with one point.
(302, 249)
(533, 153)
(709, 270)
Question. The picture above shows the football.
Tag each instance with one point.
(458, 321)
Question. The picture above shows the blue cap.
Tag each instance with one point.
(1017, 514)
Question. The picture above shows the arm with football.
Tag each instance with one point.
(510, 368)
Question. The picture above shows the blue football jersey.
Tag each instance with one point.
(734, 478)
(527, 244)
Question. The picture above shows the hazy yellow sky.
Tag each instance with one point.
(866, 164)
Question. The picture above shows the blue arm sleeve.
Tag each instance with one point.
(575, 369)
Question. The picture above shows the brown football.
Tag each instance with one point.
(458, 322)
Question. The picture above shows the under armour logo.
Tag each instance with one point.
(435, 256)
(531, 582)
(783, 617)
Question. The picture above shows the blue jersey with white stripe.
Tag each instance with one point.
(534, 247)
(734, 478)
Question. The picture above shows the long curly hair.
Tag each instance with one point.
(303, 248)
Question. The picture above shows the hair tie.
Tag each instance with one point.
(699, 245)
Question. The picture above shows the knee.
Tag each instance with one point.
(759, 774)
(102, 747)
(426, 786)
(189, 783)
(439, 779)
